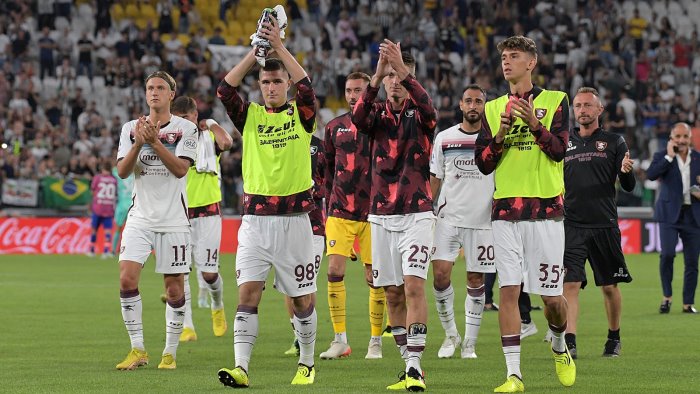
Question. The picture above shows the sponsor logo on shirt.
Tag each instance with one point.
(150, 159)
(191, 144)
(570, 146)
(464, 164)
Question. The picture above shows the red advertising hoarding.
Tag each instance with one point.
(72, 235)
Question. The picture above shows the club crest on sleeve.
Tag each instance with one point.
(540, 113)
(314, 149)
(601, 145)
(331, 242)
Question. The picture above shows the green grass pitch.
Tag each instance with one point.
(62, 332)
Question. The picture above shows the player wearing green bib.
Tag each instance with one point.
(523, 141)
(204, 212)
(275, 230)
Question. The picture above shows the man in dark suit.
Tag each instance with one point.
(678, 212)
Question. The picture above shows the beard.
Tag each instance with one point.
(472, 118)
(586, 123)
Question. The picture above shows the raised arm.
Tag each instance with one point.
(489, 149)
(227, 91)
(552, 142)
(659, 166)
(364, 112)
(624, 165)
(271, 32)
(177, 165)
(129, 151)
(223, 140)
(329, 149)
(427, 115)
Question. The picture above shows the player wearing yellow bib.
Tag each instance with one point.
(204, 212)
(275, 230)
(523, 140)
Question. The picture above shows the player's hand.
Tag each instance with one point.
(523, 109)
(669, 148)
(382, 66)
(627, 164)
(506, 124)
(271, 32)
(392, 53)
(138, 133)
(150, 131)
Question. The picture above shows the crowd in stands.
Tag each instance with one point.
(72, 71)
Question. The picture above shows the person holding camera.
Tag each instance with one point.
(678, 212)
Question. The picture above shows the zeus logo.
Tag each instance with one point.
(150, 159)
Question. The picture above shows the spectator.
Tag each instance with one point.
(104, 143)
(85, 48)
(629, 111)
(63, 8)
(45, 11)
(217, 39)
(123, 46)
(84, 145)
(47, 46)
(150, 63)
(367, 24)
(165, 18)
(104, 47)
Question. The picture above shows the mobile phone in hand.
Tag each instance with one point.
(675, 148)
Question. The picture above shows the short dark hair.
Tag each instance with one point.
(358, 75)
(164, 76)
(474, 86)
(518, 43)
(183, 105)
(408, 60)
(586, 89)
(272, 64)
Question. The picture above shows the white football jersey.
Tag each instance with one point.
(466, 194)
(159, 197)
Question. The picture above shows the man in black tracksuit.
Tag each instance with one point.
(594, 160)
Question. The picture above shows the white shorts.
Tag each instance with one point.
(319, 248)
(172, 250)
(530, 252)
(283, 242)
(477, 245)
(206, 241)
(401, 246)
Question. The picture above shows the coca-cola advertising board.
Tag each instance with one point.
(72, 236)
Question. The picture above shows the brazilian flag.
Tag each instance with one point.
(62, 193)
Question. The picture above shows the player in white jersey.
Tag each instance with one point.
(463, 220)
(158, 149)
